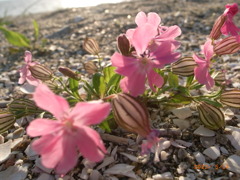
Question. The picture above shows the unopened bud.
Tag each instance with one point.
(90, 45)
(220, 78)
(23, 107)
(90, 67)
(7, 120)
(211, 116)
(130, 114)
(184, 67)
(41, 72)
(228, 45)
(216, 30)
(124, 45)
(69, 73)
(231, 98)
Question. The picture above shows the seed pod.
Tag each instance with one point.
(184, 66)
(211, 116)
(23, 107)
(220, 78)
(90, 45)
(231, 98)
(7, 120)
(90, 67)
(216, 30)
(124, 45)
(69, 73)
(130, 114)
(41, 72)
(228, 45)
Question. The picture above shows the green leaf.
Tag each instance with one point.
(105, 126)
(189, 80)
(99, 84)
(113, 84)
(108, 73)
(179, 98)
(36, 29)
(15, 38)
(73, 86)
(211, 102)
(172, 80)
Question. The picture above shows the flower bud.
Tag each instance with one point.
(228, 45)
(130, 114)
(41, 72)
(7, 119)
(123, 45)
(23, 107)
(220, 78)
(90, 67)
(184, 66)
(231, 98)
(69, 73)
(90, 45)
(211, 116)
(216, 30)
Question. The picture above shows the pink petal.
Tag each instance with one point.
(41, 127)
(141, 18)
(129, 34)
(208, 49)
(47, 100)
(70, 157)
(33, 81)
(142, 36)
(90, 144)
(23, 73)
(170, 34)
(28, 57)
(89, 113)
(154, 79)
(203, 76)
(118, 60)
(229, 28)
(199, 60)
(135, 84)
(154, 19)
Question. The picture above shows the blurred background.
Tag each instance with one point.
(17, 7)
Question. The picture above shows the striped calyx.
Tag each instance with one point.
(90, 45)
(41, 72)
(130, 114)
(211, 116)
(69, 73)
(228, 45)
(184, 67)
(90, 67)
(231, 98)
(7, 119)
(23, 107)
(220, 78)
(216, 30)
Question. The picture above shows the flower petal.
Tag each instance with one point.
(28, 57)
(154, 19)
(141, 18)
(41, 127)
(90, 144)
(203, 76)
(118, 60)
(170, 34)
(89, 113)
(33, 81)
(154, 79)
(47, 100)
(208, 49)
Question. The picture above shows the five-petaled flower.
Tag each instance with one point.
(149, 53)
(63, 138)
(25, 73)
(201, 72)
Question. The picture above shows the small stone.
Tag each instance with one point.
(183, 178)
(182, 123)
(163, 176)
(45, 176)
(16, 142)
(1, 139)
(202, 131)
(208, 141)
(31, 154)
(235, 139)
(199, 157)
(182, 113)
(232, 163)
(15, 172)
(40, 166)
(212, 152)
(5, 150)
(224, 150)
(18, 133)
(182, 167)
(164, 155)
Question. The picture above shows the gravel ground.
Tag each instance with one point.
(63, 33)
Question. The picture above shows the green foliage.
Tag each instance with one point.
(73, 86)
(173, 80)
(99, 84)
(36, 30)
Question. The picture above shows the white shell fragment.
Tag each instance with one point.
(129, 156)
(232, 163)
(182, 113)
(234, 138)
(202, 131)
(163, 176)
(122, 169)
(213, 152)
(5, 151)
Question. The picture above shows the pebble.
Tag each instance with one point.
(224, 150)
(164, 155)
(182, 113)
(200, 158)
(207, 141)
(15, 172)
(234, 138)
(212, 152)
(5, 150)
(18, 133)
(44, 176)
(1, 139)
(31, 154)
(202, 131)
(40, 166)
(163, 176)
(232, 163)
(182, 123)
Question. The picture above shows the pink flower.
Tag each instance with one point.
(229, 27)
(201, 72)
(25, 74)
(63, 138)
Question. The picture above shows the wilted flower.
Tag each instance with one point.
(184, 67)
(69, 73)
(41, 72)
(228, 45)
(25, 73)
(91, 46)
(231, 98)
(211, 116)
(62, 138)
(202, 70)
(7, 119)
